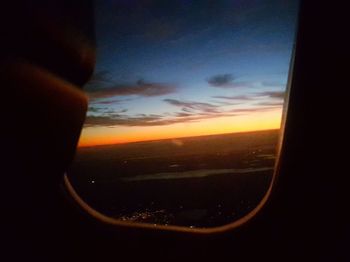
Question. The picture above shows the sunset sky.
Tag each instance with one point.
(169, 69)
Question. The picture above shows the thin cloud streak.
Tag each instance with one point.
(140, 88)
(270, 103)
(240, 97)
(256, 96)
(108, 102)
(227, 81)
(273, 94)
(256, 109)
(148, 120)
(189, 106)
(191, 111)
(142, 120)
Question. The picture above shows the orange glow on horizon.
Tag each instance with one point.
(93, 136)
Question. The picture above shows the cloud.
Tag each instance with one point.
(185, 109)
(226, 81)
(92, 110)
(112, 120)
(181, 114)
(273, 94)
(256, 96)
(190, 106)
(145, 120)
(140, 88)
(115, 112)
(191, 111)
(162, 120)
(225, 103)
(108, 102)
(270, 103)
(221, 80)
(259, 108)
(240, 97)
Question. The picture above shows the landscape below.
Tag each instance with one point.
(204, 181)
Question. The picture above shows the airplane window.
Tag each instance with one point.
(185, 109)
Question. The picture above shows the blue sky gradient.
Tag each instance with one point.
(167, 62)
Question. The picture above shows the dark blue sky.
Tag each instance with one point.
(166, 62)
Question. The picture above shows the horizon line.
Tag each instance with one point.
(171, 138)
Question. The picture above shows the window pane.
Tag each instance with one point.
(185, 109)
